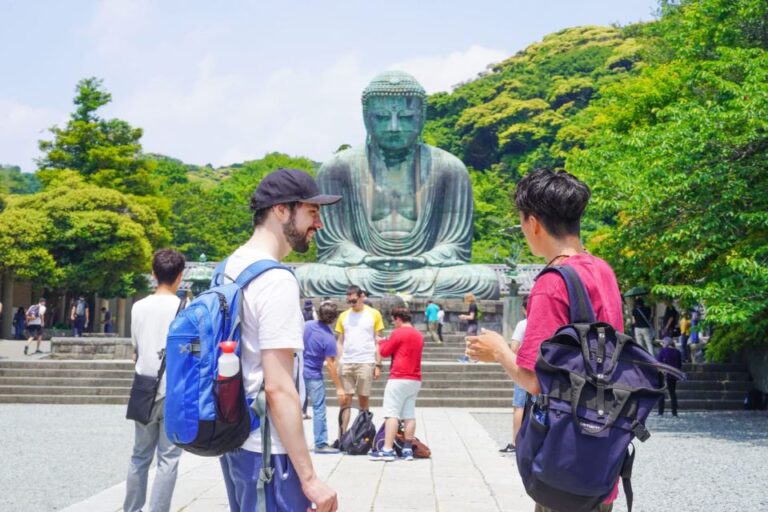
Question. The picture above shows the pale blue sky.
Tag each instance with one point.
(226, 81)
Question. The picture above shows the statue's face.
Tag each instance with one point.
(394, 122)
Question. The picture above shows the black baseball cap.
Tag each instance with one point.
(286, 186)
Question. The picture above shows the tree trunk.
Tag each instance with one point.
(121, 317)
(8, 310)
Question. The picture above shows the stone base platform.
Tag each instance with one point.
(91, 347)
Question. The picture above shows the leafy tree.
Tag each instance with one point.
(677, 162)
(13, 181)
(85, 237)
(23, 251)
(107, 152)
(216, 221)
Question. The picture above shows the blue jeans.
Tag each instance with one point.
(241, 473)
(316, 393)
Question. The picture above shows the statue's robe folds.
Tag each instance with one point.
(441, 233)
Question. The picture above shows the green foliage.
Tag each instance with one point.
(106, 151)
(507, 115)
(13, 181)
(676, 158)
(79, 236)
(217, 220)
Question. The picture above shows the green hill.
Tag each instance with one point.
(513, 117)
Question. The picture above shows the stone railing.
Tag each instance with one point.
(91, 347)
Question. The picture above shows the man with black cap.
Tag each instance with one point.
(286, 215)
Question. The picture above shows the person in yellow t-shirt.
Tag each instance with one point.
(357, 329)
(685, 333)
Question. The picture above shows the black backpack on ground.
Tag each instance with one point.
(358, 439)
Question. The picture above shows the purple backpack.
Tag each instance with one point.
(597, 388)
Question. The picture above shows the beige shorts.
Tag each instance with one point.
(357, 378)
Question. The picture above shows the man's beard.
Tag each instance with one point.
(297, 240)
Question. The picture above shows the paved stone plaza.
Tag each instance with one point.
(74, 458)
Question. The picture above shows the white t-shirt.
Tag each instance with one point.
(441, 316)
(519, 333)
(272, 319)
(39, 318)
(359, 334)
(150, 319)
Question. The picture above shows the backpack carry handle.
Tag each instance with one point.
(577, 387)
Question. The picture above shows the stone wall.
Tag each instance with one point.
(91, 348)
(756, 360)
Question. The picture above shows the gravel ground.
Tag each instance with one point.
(700, 461)
(56, 455)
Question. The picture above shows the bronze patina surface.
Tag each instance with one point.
(405, 221)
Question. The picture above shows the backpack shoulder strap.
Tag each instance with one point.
(254, 270)
(217, 278)
(581, 311)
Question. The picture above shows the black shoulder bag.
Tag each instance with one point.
(144, 389)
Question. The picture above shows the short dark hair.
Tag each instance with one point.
(167, 264)
(353, 288)
(260, 214)
(401, 312)
(556, 198)
(328, 312)
(525, 302)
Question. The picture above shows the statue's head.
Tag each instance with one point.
(394, 108)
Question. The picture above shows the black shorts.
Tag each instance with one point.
(35, 330)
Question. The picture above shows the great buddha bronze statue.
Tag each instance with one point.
(404, 223)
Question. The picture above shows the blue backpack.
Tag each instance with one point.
(597, 388)
(194, 418)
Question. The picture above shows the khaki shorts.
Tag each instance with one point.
(357, 378)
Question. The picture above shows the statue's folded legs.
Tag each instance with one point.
(320, 280)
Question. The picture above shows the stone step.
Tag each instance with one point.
(67, 364)
(717, 376)
(441, 402)
(713, 367)
(66, 373)
(715, 385)
(692, 394)
(54, 381)
(64, 390)
(63, 399)
(704, 405)
(441, 384)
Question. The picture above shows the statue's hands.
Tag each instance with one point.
(394, 263)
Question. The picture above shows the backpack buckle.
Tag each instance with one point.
(266, 474)
(640, 431)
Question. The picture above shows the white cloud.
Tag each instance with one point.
(442, 72)
(21, 126)
(115, 26)
(224, 117)
(220, 115)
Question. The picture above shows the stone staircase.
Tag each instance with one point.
(47, 381)
(446, 382)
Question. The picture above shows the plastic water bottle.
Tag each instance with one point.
(229, 363)
(229, 383)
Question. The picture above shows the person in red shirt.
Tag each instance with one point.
(551, 205)
(405, 345)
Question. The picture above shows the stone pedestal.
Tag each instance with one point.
(91, 347)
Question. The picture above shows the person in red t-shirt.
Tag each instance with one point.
(551, 205)
(405, 346)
